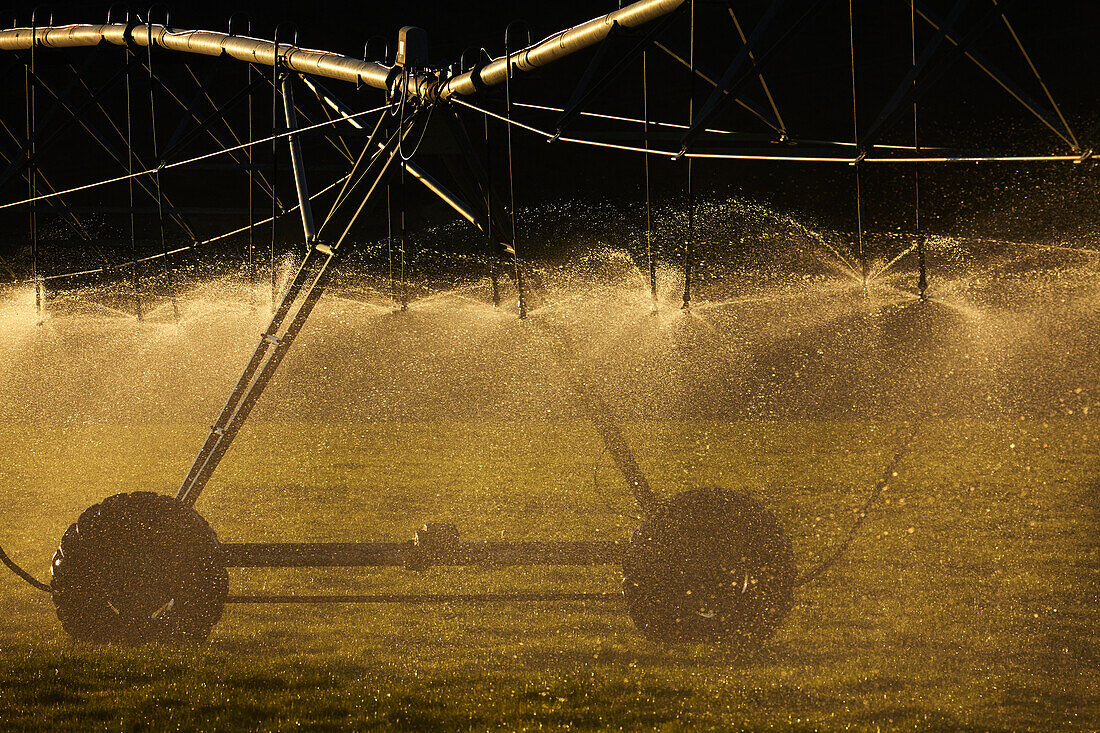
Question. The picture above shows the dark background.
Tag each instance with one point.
(810, 81)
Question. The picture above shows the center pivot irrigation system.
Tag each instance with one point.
(705, 565)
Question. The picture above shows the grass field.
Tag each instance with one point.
(968, 601)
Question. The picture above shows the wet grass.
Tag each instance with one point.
(968, 603)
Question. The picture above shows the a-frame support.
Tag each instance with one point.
(301, 296)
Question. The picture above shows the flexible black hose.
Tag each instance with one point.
(31, 580)
(861, 516)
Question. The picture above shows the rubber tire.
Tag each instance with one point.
(711, 566)
(138, 568)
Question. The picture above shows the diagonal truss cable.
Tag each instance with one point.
(763, 84)
(993, 74)
(705, 77)
(185, 248)
(848, 160)
(1038, 77)
(678, 126)
(189, 161)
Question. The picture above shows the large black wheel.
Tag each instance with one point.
(711, 566)
(139, 568)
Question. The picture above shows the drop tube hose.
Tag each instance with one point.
(30, 579)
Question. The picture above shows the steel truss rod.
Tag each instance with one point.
(188, 161)
(908, 92)
(67, 213)
(135, 280)
(748, 136)
(116, 155)
(297, 303)
(767, 155)
(495, 222)
(745, 103)
(32, 179)
(157, 182)
(735, 78)
(461, 207)
(297, 164)
(1002, 80)
(330, 136)
(190, 106)
(177, 250)
(763, 83)
(355, 177)
(908, 88)
(1038, 77)
(131, 155)
(43, 135)
(181, 140)
(230, 150)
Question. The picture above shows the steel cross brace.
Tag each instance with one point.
(296, 305)
(297, 164)
(220, 114)
(586, 89)
(235, 156)
(908, 92)
(907, 89)
(474, 179)
(117, 156)
(745, 102)
(42, 135)
(325, 132)
(734, 78)
(200, 88)
(998, 76)
(68, 215)
(179, 142)
(464, 209)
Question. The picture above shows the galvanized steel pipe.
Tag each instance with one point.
(558, 46)
(423, 85)
(206, 43)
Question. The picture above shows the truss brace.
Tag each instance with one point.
(725, 91)
(586, 90)
(301, 296)
(297, 164)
